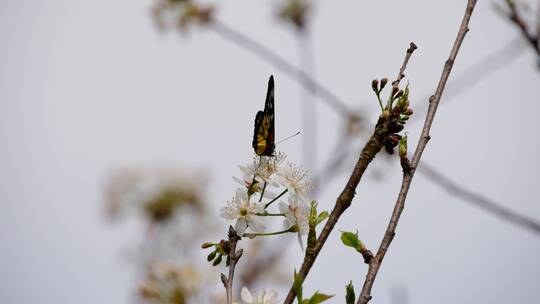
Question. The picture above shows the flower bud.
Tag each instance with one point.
(218, 260)
(207, 245)
(211, 256)
(384, 81)
(394, 90)
(395, 128)
(389, 148)
(403, 146)
(394, 139)
(375, 85)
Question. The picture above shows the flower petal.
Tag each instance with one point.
(240, 226)
(255, 223)
(246, 295)
(283, 208)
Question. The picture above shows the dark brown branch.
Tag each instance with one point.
(279, 62)
(232, 258)
(408, 175)
(371, 148)
(479, 200)
(515, 17)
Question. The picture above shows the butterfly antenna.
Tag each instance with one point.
(291, 136)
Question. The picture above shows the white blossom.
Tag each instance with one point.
(294, 178)
(244, 212)
(267, 297)
(296, 213)
(271, 164)
(261, 169)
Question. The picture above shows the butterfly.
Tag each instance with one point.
(263, 133)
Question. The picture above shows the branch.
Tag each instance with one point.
(371, 148)
(408, 175)
(232, 258)
(515, 17)
(282, 64)
(478, 200)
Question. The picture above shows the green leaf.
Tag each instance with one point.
(351, 240)
(297, 284)
(322, 217)
(313, 210)
(317, 298)
(350, 296)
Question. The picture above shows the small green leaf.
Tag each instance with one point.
(211, 256)
(297, 284)
(351, 240)
(350, 296)
(317, 298)
(313, 210)
(403, 146)
(322, 217)
(207, 245)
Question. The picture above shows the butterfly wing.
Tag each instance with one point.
(263, 134)
(259, 134)
(269, 111)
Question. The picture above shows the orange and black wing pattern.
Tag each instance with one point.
(263, 134)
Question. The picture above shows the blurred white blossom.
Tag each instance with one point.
(169, 283)
(266, 297)
(158, 192)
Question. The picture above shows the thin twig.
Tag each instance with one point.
(408, 175)
(371, 148)
(515, 17)
(232, 257)
(478, 200)
(279, 62)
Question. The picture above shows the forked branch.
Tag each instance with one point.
(408, 175)
(371, 148)
(232, 258)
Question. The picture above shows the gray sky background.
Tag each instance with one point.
(86, 86)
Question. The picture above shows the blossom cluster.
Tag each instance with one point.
(256, 194)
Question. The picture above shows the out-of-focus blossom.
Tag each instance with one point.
(158, 193)
(169, 284)
(244, 212)
(296, 214)
(180, 14)
(295, 11)
(294, 178)
(266, 297)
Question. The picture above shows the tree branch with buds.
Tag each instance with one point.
(408, 173)
(384, 129)
(232, 259)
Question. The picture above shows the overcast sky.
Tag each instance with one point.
(86, 86)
